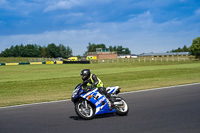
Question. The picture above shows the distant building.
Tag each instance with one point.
(127, 56)
(164, 54)
(103, 54)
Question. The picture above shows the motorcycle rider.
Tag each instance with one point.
(91, 81)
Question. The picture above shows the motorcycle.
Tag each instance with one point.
(89, 103)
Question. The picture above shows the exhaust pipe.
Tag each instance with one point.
(118, 103)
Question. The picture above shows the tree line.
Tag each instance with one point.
(194, 49)
(119, 49)
(51, 50)
(184, 49)
(33, 50)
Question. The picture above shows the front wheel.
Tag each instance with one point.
(122, 109)
(84, 111)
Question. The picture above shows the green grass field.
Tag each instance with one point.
(40, 83)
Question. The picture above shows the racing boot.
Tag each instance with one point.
(111, 100)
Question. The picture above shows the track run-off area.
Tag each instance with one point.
(162, 110)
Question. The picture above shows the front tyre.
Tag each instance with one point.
(122, 109)
(83, 111)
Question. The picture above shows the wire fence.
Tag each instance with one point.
(42, 59)
(145, 59)
(118, 60)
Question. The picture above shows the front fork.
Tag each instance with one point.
(85, 104)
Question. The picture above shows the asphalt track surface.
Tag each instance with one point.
(165, 110)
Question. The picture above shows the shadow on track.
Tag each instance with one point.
(102, 116)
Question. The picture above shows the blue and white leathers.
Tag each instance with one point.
(93, 97)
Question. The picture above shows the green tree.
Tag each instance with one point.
(52, 50)
(92, 47)
(12, 51)
(68, 52)
(127, 51)
(33, 50)
(42, 52)
(5, 53)
(195, 47)
(184, 49)
(21, 50)
(119, 49)
(62, 50)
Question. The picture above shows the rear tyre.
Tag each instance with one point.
(83, 112)
(123, 109)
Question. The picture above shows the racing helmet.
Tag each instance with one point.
(85, 73)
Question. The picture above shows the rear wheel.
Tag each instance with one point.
(122, 109)
(83, 111)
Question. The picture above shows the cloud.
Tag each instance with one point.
(143, 20)
(182, 0)
(197, 12)
(151, 4)
(2, 22)
(64, 4)
(140, 34)
(76, 14)
(3, 2)
(142, 26)
(76, 39)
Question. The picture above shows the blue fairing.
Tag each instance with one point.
(94, 97)
(97, 99)
(77, 91)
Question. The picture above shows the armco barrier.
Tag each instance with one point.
(76, 62)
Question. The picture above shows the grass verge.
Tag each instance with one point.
(42, 83)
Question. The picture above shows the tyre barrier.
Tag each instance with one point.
(11, 64)
(2, 64)
(76, 62)
(24, 63)
(35, 63)
(47, 62)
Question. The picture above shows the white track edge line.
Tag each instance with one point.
(120, 94)
(159, 88)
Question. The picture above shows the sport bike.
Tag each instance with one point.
(89, 103)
